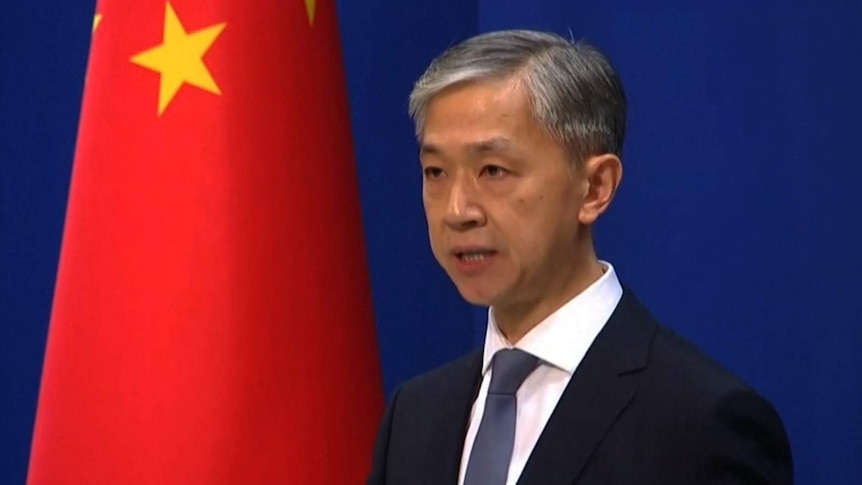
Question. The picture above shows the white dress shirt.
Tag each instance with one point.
(560, 342)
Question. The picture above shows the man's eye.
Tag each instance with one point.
(494, 171)
(433, 172)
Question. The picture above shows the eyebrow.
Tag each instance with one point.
(491, 145)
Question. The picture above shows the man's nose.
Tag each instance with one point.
(463, 209)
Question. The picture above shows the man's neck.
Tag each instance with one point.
(516, 320)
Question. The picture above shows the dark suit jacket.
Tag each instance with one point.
(644, 407)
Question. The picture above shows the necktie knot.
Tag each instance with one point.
(509, 369)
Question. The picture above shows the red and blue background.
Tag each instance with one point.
(738, 221)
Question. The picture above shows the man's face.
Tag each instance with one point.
(500, 196)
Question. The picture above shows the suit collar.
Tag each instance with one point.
(562, 339)
(598, 393)
(461, 384)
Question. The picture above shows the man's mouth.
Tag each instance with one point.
(474, 256)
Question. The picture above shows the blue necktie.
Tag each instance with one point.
(492, 449)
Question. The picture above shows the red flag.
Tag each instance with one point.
(212, 319)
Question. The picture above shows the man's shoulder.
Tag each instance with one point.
(676, 360)
(696, 412)
(459, 372)
(691, 386)
(684, 381)
(685, 365)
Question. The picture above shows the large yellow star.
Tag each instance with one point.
(179, 59)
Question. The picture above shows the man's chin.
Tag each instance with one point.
(476, 296)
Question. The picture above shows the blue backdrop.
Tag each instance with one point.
(737, 221)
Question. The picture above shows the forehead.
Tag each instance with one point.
(500, 105)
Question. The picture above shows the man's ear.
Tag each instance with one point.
(602, 175)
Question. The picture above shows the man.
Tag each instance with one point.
(520, 139)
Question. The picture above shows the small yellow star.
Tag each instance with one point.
(97, 19)
(179, 59)
(310, 7)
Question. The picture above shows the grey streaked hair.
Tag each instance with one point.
(576, 96)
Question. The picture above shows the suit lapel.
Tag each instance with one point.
(596, 396)
(454, 406)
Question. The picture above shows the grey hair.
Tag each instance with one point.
(575, 94)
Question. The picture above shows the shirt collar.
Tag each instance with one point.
(563, 338)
